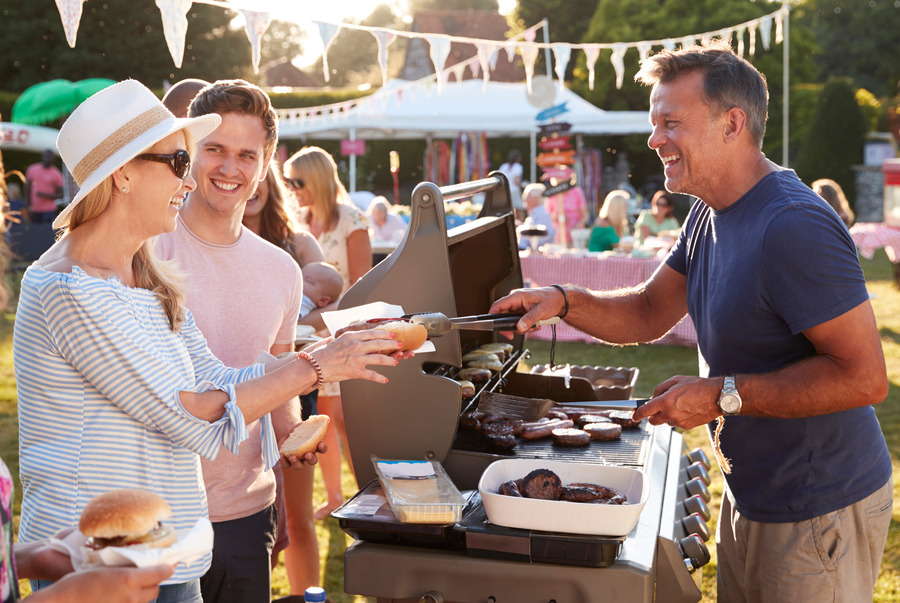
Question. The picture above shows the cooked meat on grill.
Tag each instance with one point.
(475, 375)
(467, 389)
(500, 441)
(571, 437)
(504, 350)
(489, 362)
(580, 493)
(510, 488)
(480, 355)
(585, 419)
(623, 418)
(543, 484)
(603, 432)
(607, 495)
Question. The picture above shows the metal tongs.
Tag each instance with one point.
(438, 324)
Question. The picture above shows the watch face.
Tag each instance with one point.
(730, 404)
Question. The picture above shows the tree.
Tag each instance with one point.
(856, 40)
(836, 138)
(283, 39)
(117, 39)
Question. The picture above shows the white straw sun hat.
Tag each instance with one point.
(111, 128)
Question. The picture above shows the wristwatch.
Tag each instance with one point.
(729, 400)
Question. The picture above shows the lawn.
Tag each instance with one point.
(656, 363)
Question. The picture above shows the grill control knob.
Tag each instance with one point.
(697, 487)
(695, 551)
(431, 597)
(694, 524)
(697, 470)
(696, 505)
(698, 456)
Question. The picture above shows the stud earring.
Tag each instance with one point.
(124, 190)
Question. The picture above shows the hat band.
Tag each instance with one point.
(118, 139)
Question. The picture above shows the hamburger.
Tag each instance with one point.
(125, 518)
(410, 335)
(306, 436)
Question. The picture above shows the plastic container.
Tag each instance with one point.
(559, 515)
(419, 491)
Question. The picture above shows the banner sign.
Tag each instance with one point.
(544, 129)
(552, 112)
(353, 147)
(559, 188)
(555, 142)
(556, 158)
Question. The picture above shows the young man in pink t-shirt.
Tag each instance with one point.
(43, 186)
(244, 294)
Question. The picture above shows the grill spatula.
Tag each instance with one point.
(532, 409)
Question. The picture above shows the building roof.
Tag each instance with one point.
(485, 25)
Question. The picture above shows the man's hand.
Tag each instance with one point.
(534, 304)
(683, 401)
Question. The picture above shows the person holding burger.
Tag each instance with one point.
(116, 385)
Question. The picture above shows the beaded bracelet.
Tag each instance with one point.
(565, 299)
(320, 376)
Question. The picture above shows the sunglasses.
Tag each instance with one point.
(179, 161)
(295, 183)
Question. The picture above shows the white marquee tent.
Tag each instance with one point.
(402, 111)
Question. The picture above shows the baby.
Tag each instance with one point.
(322, 284)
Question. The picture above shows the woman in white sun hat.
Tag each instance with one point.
(116, 386)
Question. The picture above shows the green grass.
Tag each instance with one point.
(656, 363)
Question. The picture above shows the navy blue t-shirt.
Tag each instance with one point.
(760, 272)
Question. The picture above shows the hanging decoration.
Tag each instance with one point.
(70, 13)
(255, 24)
(174, 16)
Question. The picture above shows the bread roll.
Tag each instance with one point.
(306, 436)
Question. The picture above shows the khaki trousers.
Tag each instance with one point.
(832, 558)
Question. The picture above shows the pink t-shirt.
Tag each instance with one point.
(43, 180)
(572, 203)
(245, 298)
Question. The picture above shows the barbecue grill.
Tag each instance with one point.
(416, 416)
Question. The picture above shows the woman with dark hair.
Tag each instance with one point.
(832, 192)
(659, 220)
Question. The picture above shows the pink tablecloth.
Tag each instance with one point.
(869, 236)
(599, 273)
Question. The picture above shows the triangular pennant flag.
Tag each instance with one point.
(590, 55)
(458, 71)
(327, 31)
(255, 24)
(562, 53)
(510, 53)
(529, 35)
(765, 30)
(618, 63)
(440, 50)
(70, 13)
(483, 52)
(742, 31)
(474, 66)
(751, 27)
(383, 39)
(644, 49)
(495, 56)
(174, 17)
(779, 27)
(529, 56)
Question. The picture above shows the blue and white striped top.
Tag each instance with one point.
(98, 371)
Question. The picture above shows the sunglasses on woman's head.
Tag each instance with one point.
(296, 183)
(179, 161)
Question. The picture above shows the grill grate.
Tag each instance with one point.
(628, 451)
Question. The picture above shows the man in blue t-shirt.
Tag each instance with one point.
(790, 356)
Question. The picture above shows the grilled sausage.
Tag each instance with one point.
(510, 488)
(545, 429)
(606, 495)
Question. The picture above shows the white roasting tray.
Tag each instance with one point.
(563, 516)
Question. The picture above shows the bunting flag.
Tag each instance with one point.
(591, 55)
(174, 17)
(384, 39)
(70, 13)
(327, 31)
(255, 24)
(439, 50)
(561, 54)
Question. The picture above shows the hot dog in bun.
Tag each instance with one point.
(411, 335)
(131, 518)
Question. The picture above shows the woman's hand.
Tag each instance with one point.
(348, 356)
(120, 584)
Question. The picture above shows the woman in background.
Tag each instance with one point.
(268, 214)
(659, 220)
(343, 233)
(612, 222)
(832, 192)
